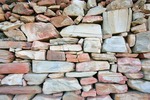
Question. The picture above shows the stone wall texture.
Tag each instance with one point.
(74, 49)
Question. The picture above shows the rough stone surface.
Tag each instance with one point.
(6, 56)
(87, 81)
(56, 55)
(96, 11)
(45, 97)
(61, 41)
(23, 97)
(5, 97)
(80, 74)
(106, 97)
(73, 96)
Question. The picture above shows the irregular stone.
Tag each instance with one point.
(92, 19)
(78, 19)
(51, 66)
(126, 55)
(114, 68)
(29, 54)
(27, 19)
(111, 77)
(107, 57)
(56, 55)
(144, 55)
(44, 30)
(2, 17)
(22, 9)
(71, 58)
(63, 84)
(87, 81)
(61, 41)
(55, 7)
(146, 8)
(20, 89)
(5, 26)
(139, 85)
(138, 15)
(15, 34)
(23, 97)
(131, 40)
(12, 79)
(5, 97)
(14, 44)
(91, 93)
(92, 66)
(138, 21)
(148, 23)
(37, 45)
(129, 65)
(142, 43)
(6, 56)
(80, 74)
(105, 89)
(116, 21)
(73, 96)
(91, 3)
(139, 28)
(132, 95)
(87, 87)
(42, 18)
(39, 9)
(105, 97)
(67, 47)
(56, 75)
(84, 57)
(119, 4)
(146, 68)
(45, 97)
(73, 10)
(112, 44)
(82, 30)
(92, 45)
(49, 13)
(61, 21)
(134, 75)
(14, 68)
(96, 11)
(46, 2)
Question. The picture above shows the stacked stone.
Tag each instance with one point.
(75, 50)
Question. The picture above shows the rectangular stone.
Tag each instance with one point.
(105, 97)
(80, 74)
(14, 68)
(56, 55)
(62, 41)
(14, 44)
(20, 89)
(88, 80)
(6, 56)
(52, 66)
(59, 85)
(92, 66)
(126, 55)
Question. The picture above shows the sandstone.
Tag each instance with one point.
(146, 8)
(87, 88)
(138, 15)
(131, 40)
(71, 58)
(139, 28)
(91, 3)
(92, 45)
(46, 2)
(44, 30)
(144, 55)
(126, 55)
(22, 9)
(119, 4)
(56, 75)
(78, 19)
(84, 57)
(142, 43)
(63, 84)
(35, 79)
(80, 74)
(138, 21)
(92, 19)
(129, 65)
(88, 80)
(102, 56)
(113, 24)
(56, 55)
(39, 9)
(2, 17)
(114, 68)
(96, 11)
(105, 97)
(73, 96)
(80, 3)
(6, 56)
(5, 26)
(112, 44)
(27, 19)
(149, 23)
(134, 75)
(20, 89)
(105, 89)
(67, 47)
(45, 97)
(5, 97)
(42, 18)
(61, 21)
(15, 34)
(132, 95)
(14, 68)
(146, 68)
(49, 13)
(61, 41)
(51, 66)
(73, 10)
(29, 54)
(139, 85)
(82, 30)
(12, 79)
(23, 97)
(92, 66)
(91, 93)
(37, 45)
(146, 75)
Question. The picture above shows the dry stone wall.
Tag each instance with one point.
(75, 50)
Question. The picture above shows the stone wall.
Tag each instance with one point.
(74, 50)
